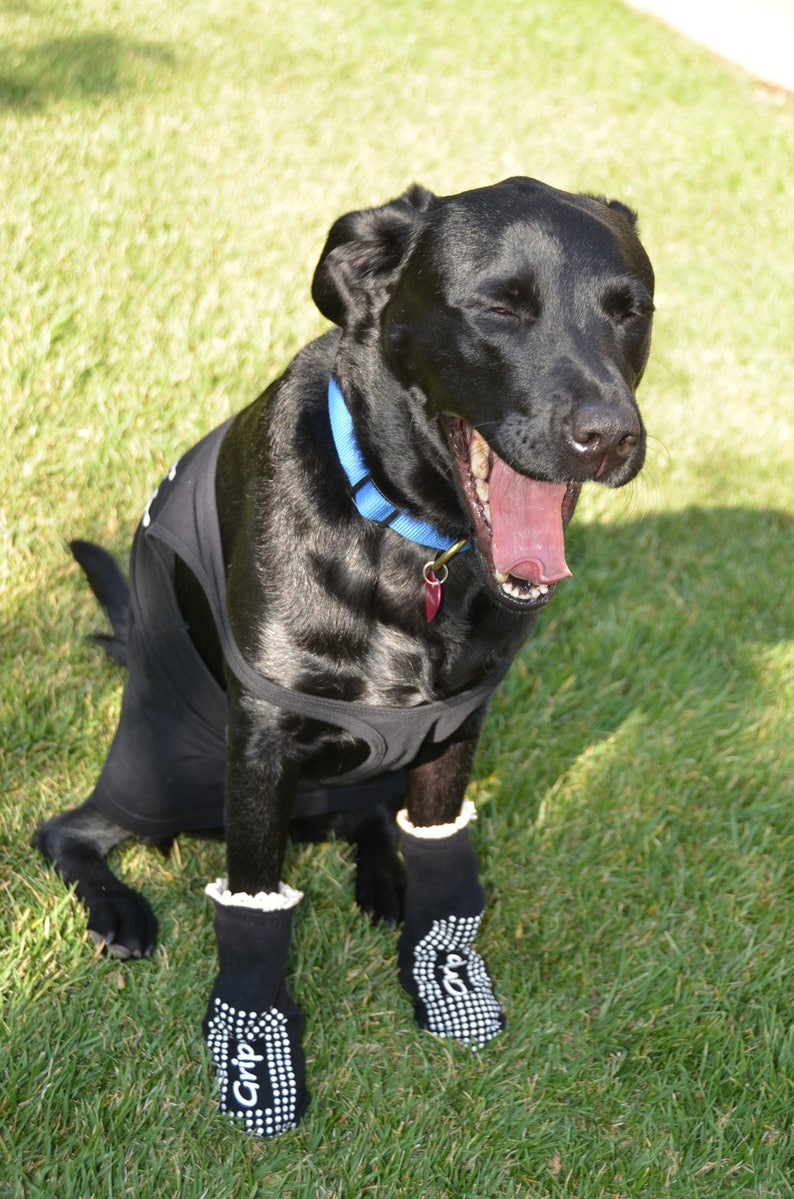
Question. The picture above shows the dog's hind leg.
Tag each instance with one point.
(77, 843)
(372, 832)
(380, 874)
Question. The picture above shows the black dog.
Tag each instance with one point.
(326, 591)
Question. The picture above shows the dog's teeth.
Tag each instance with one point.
(478, 456)
(483, 490)
(530, 591)
(486, 510)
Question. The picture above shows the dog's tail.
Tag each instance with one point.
(111, 588)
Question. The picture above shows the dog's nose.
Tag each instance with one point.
(604, 436)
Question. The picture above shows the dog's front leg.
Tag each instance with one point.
(253, 1027)
(444, 902)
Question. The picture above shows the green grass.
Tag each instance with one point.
(169, 174)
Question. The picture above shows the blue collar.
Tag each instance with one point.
(369, 501)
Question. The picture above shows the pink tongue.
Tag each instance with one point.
(526, 519)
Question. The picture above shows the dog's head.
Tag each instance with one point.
(519, 318)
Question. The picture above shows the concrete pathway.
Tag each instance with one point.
(756, 34)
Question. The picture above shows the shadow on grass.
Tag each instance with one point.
(666, 634)
(85, 67)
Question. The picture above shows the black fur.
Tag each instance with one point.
(112, 590)
(517, 310)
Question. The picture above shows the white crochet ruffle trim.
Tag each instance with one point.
(264, 901)
(437, 832)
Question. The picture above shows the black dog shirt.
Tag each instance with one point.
(165, 771)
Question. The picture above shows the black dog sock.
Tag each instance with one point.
(452, 991)
(252, 1027)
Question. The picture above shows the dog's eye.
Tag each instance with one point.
(633, 314)
(509, 299)
(622, 305)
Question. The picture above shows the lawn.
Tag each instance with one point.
(169, 175)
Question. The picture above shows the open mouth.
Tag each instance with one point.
(519, 521)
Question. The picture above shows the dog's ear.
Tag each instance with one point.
(618, 206)
(363, 253)
(624, 210)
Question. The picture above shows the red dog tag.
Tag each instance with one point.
(434, 582)
(432, 594)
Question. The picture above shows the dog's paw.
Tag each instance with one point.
(453, 994)
(120, 921)
(255, 1057)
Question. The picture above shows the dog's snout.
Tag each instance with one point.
(604, 436)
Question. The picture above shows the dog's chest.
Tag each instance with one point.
(376, 646)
